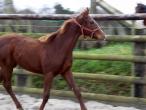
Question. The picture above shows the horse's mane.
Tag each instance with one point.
(63, 28)
(48, 37)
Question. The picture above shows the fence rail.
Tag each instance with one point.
(126, 38)
(122, 38)
(141, 59)
(92, 76)
(67, 16)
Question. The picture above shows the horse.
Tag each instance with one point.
(49, 57)
(141, 8)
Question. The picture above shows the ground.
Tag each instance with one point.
(32, 103)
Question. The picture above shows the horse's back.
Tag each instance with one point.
(16, 49)
(10, 41)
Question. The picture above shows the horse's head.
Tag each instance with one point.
(88, 26)
(140, 8)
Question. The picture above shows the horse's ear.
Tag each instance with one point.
(85, 12)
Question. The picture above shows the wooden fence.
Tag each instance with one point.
(138, 58)
(67, 16)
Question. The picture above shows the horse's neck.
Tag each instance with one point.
(65, 41)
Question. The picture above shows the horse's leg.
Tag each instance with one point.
(144, 22)
(48, 78)
(70, 80)
(1, 77)
(7, 75)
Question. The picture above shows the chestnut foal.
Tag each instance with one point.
(49, 58)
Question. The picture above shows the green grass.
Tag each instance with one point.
(111, 67)
(111, 49)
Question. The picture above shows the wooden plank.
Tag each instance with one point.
(67, 16)
(128, 58)
(92, 76)
(121, 38)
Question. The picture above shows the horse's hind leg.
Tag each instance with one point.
(1, 77)
(7, 75)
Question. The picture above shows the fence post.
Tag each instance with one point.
(93, 6)
(29, 80)
(139, 68)
(21, 79)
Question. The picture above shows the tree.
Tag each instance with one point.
(9, 7)
(45, 10)
(59, 9)
(1, 6)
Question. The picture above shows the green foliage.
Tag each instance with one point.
(37, 82)
(110, 67)
(110, 49)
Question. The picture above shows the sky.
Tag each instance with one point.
(125, 6)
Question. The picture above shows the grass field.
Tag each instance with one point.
(111, 49)
(111, 67)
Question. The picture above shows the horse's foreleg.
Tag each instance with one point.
(144, 22)
(70, 80)
(7, 75)
(48, 78)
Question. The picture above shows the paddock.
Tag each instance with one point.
(138, 80)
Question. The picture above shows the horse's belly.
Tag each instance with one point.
(33, 68)
(28, 61)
